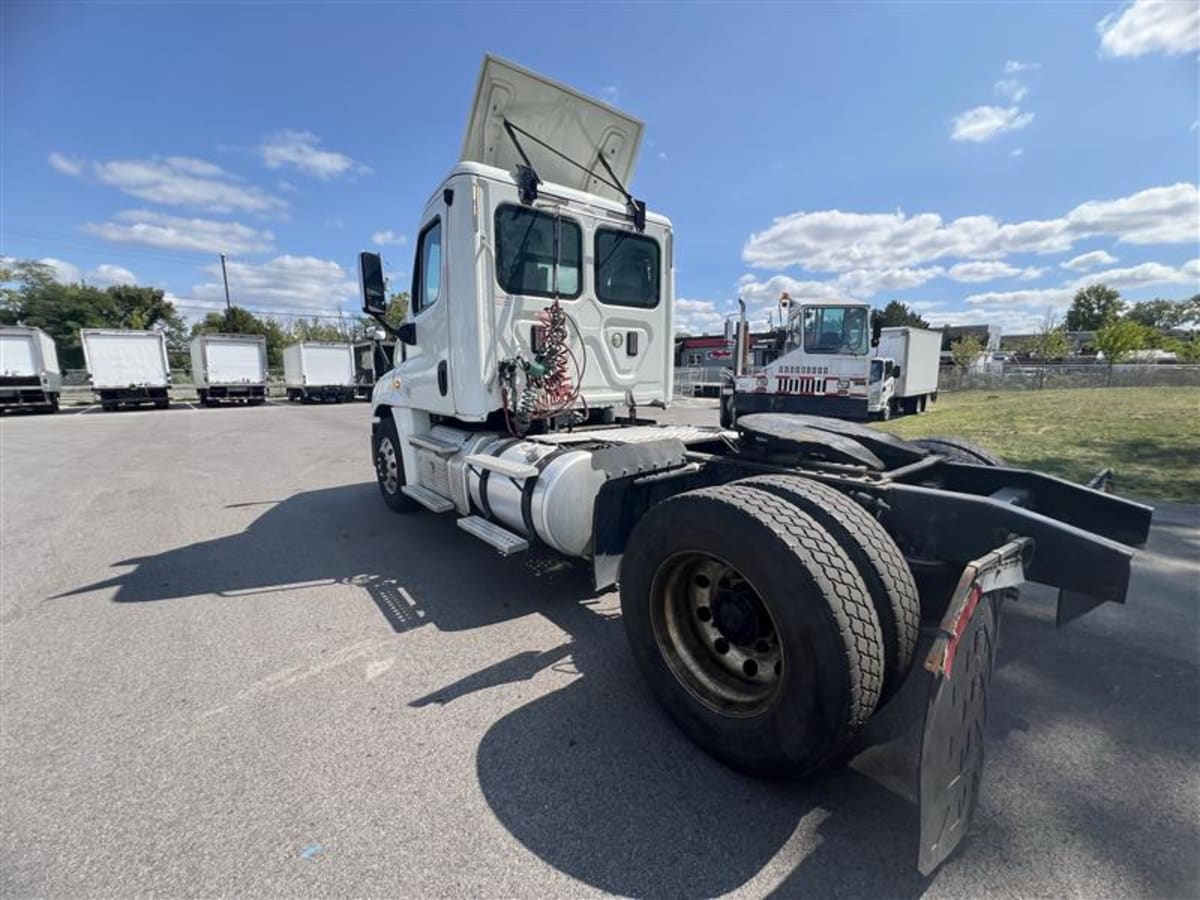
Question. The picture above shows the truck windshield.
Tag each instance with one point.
(835, 329)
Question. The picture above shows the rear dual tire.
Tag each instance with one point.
(714, 579)
(958, 450)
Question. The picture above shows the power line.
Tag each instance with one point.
(75, 242)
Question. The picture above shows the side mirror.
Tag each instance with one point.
(407, 333)
(876, 332)
(374, 291)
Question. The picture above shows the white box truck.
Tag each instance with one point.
(127, 368)
(29, 373)
(911, 380)
(319, 370)
(230, 367)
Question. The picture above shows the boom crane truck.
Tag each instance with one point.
(781, 582)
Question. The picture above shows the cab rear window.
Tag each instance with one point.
(538, 253)
(628, 269)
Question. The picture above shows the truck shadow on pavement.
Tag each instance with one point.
(596, 781)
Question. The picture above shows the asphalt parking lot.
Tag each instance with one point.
(226, 667)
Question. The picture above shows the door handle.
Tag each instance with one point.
(443, 375)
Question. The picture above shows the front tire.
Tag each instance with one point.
(751, 627)
(389, 467)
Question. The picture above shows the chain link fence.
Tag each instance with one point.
(1070, 375)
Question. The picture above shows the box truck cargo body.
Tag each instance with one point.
(916, 357)
(230, 367)
(371, 359)
(127, 368)
(319, 370)
(29, 373)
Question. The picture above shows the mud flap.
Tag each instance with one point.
(961, 662)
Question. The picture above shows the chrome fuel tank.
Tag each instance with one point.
(558, 507)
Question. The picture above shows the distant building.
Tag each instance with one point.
(988, 335)
(715, 350)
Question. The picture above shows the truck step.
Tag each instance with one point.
(433, 445)
(500, 539)
(427, 498)
(504, 467)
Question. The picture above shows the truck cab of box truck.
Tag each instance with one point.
(490, 259)
(881, 387)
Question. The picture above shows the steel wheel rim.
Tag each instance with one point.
(387, 466)
(715, 634)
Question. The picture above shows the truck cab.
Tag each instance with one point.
(881, 387)
(824, 368)
(519, 226)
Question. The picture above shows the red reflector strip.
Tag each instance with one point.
(960, 626)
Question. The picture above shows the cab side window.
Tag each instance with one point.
(427, 270)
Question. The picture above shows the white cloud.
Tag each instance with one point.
(1029, 273)
(760, 294)
(299, 150)
(836, 241)
(1086, 261)
(107, 273)
(303, 283)
(698, 316)
(64, 272)
(982, 271)
(1011, 89)
(183, 181)
(387, 237)
(153, 229)
(65, 164)
(868, 282)
(983, 123)
(1162, 215)
(1145, 275)
(1013, 66)
(1151, 26)
(1132, 277)
(1016, 151)
(610, 94)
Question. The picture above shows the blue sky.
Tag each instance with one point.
(978, 161)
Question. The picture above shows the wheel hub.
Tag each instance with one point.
(735, 617)
(387, 467)
(717, 636)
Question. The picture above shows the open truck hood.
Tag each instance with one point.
(577, 126)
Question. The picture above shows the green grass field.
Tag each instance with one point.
(1149, 436)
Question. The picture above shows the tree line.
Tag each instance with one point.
(1120, 329)
(31, 295)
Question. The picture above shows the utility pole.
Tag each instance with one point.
(228, 305)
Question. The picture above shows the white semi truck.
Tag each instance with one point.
(230, 368)
(780, 582)
(126, 367)
(29, 373)
(835, 364)
(319, 370)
